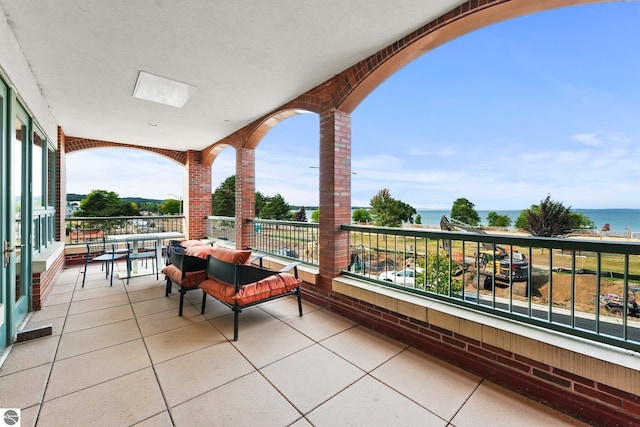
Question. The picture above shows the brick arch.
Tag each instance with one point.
(210, 153)
(347, 89)
(78, 144)
(251, 135)
(350, 87)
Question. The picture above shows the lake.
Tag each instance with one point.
(619, 219)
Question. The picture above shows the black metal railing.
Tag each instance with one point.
(582, 287)
(221, 227)
(289, 239)
(80, 230)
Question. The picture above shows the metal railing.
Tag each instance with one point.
(289, 239)
(221, 227)
(80, 230)
(577, 286)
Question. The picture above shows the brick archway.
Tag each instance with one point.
(336, 98)
(78, 144)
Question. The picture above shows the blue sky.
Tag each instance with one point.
(544, 104)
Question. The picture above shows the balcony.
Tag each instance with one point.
(121, 356)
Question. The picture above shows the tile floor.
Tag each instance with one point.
(121, 356)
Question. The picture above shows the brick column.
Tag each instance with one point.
(197, 195)
(245, 195)
(61, 186)
(335, 193)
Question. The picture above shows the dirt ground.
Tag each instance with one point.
(585, 289)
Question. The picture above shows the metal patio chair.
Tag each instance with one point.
(106, 254)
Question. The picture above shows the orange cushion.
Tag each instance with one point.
(189, 243)
(271, 286)
(191, 278)
(200, 251)
(233, 256)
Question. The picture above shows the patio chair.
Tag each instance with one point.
(143, 250)
(106, 254)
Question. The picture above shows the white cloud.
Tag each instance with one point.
(589, 139)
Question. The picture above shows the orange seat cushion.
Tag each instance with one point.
(253, 292)
(191, 279)
(233, 256)
(189, 243)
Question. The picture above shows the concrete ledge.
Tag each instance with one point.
(45, 259)
(307, 273)
(602, 363)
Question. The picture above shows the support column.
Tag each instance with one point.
(245, 195)
(335, 193)
(197, 195)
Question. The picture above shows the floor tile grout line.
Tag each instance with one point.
(467, 399)
(153, 365)
(55, 353)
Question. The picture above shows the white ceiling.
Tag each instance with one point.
(245, 58)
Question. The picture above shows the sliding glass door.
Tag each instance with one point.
(15, 192)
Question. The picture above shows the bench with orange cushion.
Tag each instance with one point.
(239, 285)
(185, 271)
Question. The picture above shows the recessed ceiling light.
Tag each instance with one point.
(162, 90)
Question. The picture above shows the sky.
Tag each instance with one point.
(547, 104)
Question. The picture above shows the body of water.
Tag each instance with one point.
(620, 220)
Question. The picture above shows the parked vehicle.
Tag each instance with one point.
(493, 262)
(405, 277)
(288, 252)
(616, 307)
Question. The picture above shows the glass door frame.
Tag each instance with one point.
(23, 302)
(16, 254)
(7, 266)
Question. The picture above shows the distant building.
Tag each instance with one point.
(72, 207)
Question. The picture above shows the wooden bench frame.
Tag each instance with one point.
(239, 275)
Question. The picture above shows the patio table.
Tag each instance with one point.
(134, 239)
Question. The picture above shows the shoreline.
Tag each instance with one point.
(606, 236)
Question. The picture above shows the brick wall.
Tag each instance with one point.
(245, 187)
(335, 193)
(197, 200)
(42, 282)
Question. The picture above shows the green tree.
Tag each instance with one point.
(522, 222)
(129, 209)
(276, 208)
(463, 211)
(261, 200)
(150, 207)
(549, 219)
(496, 220)
(105, 203)
(436, 271)
(407, 212)
(315, 215)
(223, 200)
(580, 221)
(301, 215)
(385, 210)
(361, 215)
(170, 207)
(418, 219)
